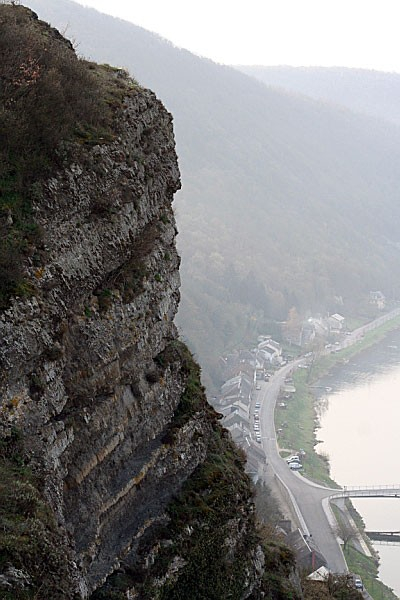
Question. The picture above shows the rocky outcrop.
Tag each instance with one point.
(79, 377)
(116, 475)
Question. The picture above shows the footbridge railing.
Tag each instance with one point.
(368, 491)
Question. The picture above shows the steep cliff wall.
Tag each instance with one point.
(111, 461)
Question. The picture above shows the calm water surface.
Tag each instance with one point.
(360, 432)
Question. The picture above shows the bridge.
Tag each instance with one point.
(368, 491)
(385, 537)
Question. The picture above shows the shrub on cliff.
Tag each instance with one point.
(32, 562)
(46, 95)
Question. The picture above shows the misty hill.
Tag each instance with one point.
(373, 93)
(286, 201)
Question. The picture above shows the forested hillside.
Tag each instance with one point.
(374, 93)
(286, 201)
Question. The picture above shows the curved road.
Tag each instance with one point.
(311, 499)
(308, 495)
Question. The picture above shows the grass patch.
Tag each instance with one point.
(193, 398)
(29, 540)
(356, 322)
(297, 422)
(367, 568)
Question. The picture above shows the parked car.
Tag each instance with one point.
(258, 405)
(358, 584)
(293, 458)
(295, 466)
(258, 387)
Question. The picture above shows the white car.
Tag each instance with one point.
(358, 584)
(293, 458)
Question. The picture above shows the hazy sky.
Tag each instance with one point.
(353, 33)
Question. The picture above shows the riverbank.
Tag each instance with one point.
(297, 422)
(301, 421)
(321, 365)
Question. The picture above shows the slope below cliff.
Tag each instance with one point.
(115, 474)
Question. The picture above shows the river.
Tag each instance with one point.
(359, 430)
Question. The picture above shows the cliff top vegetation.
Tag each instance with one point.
(47, 96)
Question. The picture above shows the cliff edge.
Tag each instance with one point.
(117, 480)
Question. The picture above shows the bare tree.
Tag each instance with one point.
(345, 531)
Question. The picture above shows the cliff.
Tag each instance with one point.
(116, 479)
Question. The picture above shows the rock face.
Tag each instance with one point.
(79, 377)
(116, 479)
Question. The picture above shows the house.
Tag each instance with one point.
(271, 344)
(377, 299)
(255, 459)
(247, 356)
(308, 557)
(320, 326)
(321, 574)
(269, 351)
(238, 408)
(236, 390)
(230, 391)
(236, 419)
(246, 370)
(336, 323)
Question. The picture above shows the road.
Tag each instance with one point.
(311, 499)
(308, 495)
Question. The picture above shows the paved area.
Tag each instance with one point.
(307, 495)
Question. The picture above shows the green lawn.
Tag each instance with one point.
(367, 569)
(298, 430)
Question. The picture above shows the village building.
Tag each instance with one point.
(336, 323)
(377, 299)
